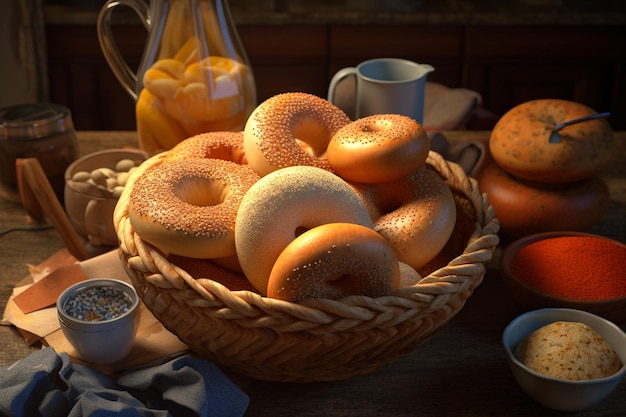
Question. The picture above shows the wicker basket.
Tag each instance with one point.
(320, 339)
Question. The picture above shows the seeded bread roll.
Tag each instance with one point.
(568, 350)
(521, 142)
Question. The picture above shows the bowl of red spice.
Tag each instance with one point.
(569, 270)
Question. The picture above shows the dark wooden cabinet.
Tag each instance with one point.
(507, 65)
(440, 46)
(584, 64)
(81, 79)
(287, 58)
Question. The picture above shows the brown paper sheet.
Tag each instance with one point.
(45, 292)
(153, 342)
(57, 260)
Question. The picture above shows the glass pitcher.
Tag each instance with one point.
(194, 76)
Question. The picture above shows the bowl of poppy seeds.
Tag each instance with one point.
(99, 317)
(569, 270)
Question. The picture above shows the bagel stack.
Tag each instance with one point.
(241, 199)
(541, 179)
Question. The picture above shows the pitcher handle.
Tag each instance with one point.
(337, 78)
(125, 75)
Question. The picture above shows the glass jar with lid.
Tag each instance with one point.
(40, 130)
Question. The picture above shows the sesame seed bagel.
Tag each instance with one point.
(378, 148)
(334, 260)
(216, 145)
(416, 214)
(188, 207)
(283, 204)
(291, 129)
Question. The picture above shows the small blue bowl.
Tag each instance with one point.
(99, 317)
(556, 393)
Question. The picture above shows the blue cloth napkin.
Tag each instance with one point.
(49, 384)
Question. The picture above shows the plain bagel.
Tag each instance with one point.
(332, 261)
(378, 148)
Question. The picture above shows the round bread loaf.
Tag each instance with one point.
(568, 350)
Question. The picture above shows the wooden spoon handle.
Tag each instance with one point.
(581, 119)
(27, 196)
(35, 178)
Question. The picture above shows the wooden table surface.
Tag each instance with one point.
(461, 371)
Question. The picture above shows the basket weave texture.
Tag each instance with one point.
(316, 339)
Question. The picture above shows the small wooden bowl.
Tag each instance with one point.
(91, 211)
(531, 298)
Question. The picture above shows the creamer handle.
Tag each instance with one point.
(337, 78)
(126, 76)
